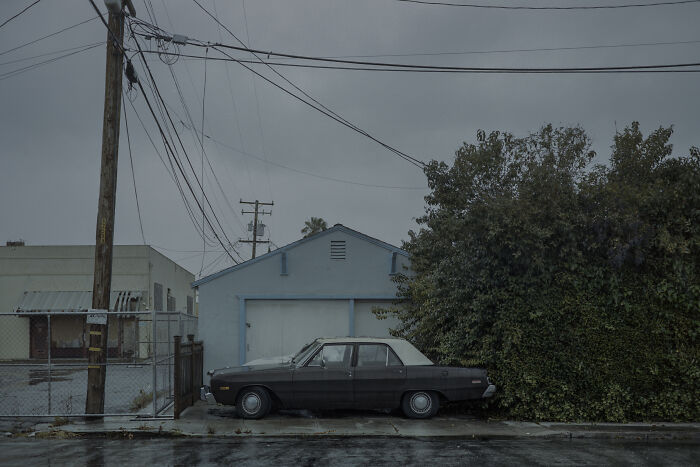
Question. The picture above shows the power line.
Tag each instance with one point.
(412, 160)
(201, 141)
(502, 51)
(311, 174)
(171, 172)
(233, 103)
(450, 68)
(10, 74)
(319, 106)
(579, 7)
(663, 68)
(201, 207)
(47, 36)
(257, 100)
(133, 173)
(50, 53)
(15, 16)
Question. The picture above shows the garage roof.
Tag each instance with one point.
(335, 228)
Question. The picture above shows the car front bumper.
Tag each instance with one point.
(489, 391)
(206, 395)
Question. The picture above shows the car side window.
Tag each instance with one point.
(332, 356)
(376, 355)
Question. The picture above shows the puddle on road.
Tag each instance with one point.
(42, 376)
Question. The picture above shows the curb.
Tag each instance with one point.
(646, 436)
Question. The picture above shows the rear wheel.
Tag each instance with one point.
(420, 404)
(253, 403)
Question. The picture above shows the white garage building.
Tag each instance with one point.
(323, 285)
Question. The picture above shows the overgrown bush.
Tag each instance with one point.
(576, 285)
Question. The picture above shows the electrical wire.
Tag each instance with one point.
(448, 68)
(50, 53)
(133, 172)
(10, 74)
(201, 141)
(578, 7)
(169, 167)
(233, 104)
(151, 31)
(15, 16)
(48, 35)
(311, 174)
(505, 51)
(668, 68)
(201, 207)
(319, 106)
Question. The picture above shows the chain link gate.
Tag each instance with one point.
(43, 363)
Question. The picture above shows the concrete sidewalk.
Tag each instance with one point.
(202, 420)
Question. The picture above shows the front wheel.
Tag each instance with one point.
(420, 404)
(253, 403)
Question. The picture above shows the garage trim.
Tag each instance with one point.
(242, 319)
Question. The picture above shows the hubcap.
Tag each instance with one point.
(251, 403)
(420, 402)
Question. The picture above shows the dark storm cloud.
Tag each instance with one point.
(51, 119)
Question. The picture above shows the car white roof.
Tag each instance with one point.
(408, 354)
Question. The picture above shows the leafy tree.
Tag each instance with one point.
(313, 226)
(578, 287)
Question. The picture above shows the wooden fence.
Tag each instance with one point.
(189, 362)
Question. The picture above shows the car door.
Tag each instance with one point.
(379, 377)
(325, 381)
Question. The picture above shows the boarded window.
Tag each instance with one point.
(190, 305)
(157, 296)
(338, 249)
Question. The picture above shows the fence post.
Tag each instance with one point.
(193, 385)
(177, 390)
(154, 347)
(48, 343)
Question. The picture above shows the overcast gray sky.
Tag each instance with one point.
(51, 118)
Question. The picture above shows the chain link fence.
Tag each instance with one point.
(43, 362)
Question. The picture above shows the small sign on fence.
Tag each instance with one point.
(97, 317)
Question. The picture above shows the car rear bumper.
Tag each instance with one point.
(206, 395)
(489, 391)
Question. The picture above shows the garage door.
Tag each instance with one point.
(282, 327)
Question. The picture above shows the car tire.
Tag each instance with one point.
(253, 403)
(420, 404)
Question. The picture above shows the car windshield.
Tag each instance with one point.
(308, 348)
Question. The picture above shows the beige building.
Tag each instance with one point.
(37, 279)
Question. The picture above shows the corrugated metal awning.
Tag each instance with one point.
(65, 301)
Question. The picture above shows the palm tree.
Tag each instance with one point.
(314, 226)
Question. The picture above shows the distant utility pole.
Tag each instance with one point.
(257, 204)
(97, 351)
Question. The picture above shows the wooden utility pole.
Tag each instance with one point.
(104, 238)
(257, 204)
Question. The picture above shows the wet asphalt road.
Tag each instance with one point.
(344, 451)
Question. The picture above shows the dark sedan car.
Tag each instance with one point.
(347, 373)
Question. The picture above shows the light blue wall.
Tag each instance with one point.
(311, 274)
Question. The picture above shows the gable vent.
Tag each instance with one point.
(337, 249)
